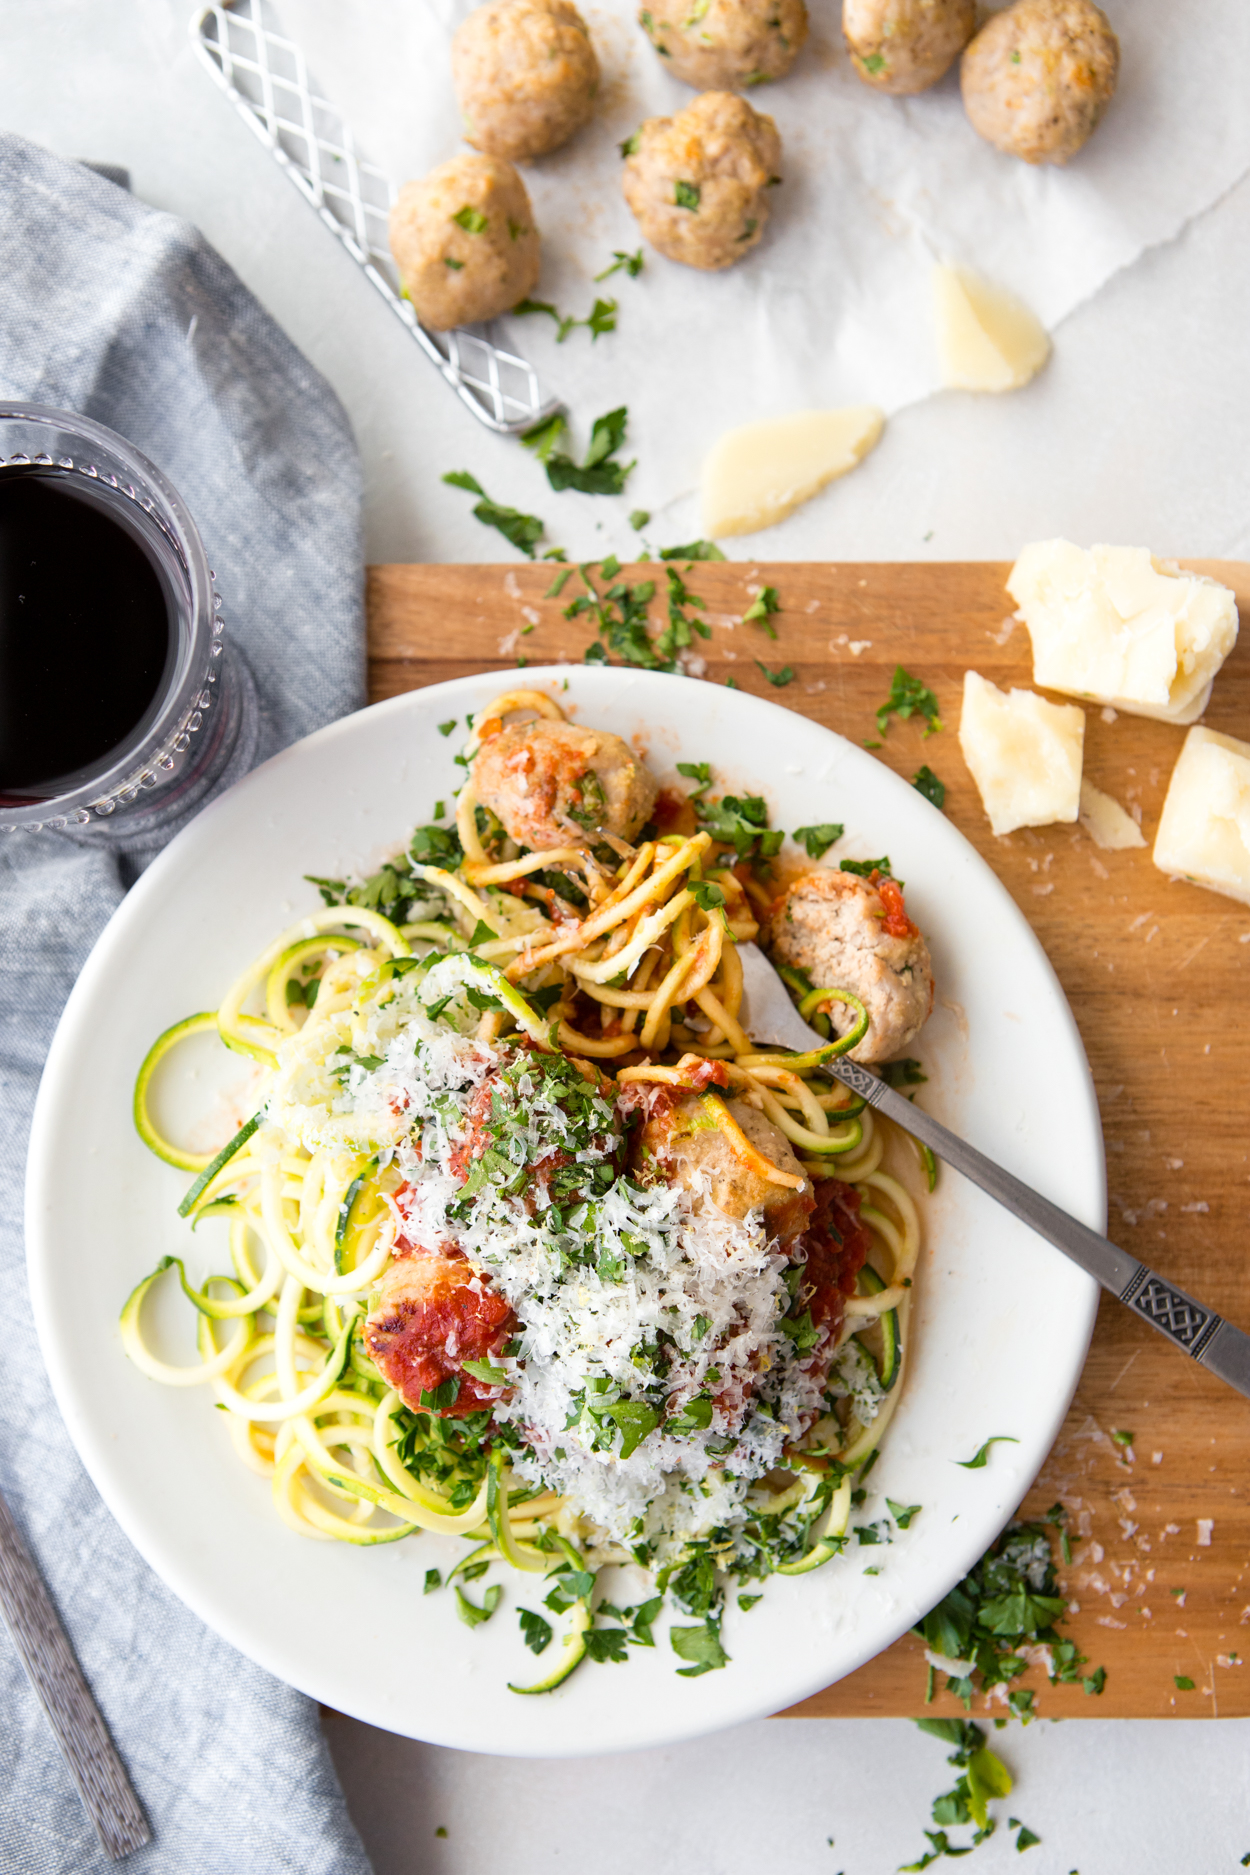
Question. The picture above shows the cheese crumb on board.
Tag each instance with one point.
(1023, 753)
(988, 340)
(756, 475)
(1106, 822)
(1118, 626)
(1204, 832)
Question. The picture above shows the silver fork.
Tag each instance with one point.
(769, 1016)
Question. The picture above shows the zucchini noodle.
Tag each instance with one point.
(627, 964)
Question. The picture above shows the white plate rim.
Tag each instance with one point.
(736, 1703)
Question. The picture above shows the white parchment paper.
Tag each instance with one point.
(834, 306)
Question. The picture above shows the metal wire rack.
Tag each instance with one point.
(264, 75)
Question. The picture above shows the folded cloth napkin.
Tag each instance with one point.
(128, 316)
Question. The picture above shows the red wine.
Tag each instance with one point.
(88, 628)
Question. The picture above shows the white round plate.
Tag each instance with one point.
(998, 1334)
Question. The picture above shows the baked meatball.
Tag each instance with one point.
(723, 44)
(464, 241)
(904, 46)
(556, 784)
(1037, 78)
(698, 182)
(854, 934)
(526, 76)
(431, 1314)
(681, 1142)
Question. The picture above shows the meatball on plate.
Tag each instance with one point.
(466, 1222)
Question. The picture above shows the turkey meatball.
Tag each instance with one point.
(464, 241)
(723, 44)
(680, 1141)
(698, 182)
(1037, 79)
(432, 1313)
(556, 784)
(854, 934)
(526, 76)
(904, 46)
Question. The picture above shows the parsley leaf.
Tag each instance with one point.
(696, 771)
(759, 611)
(600, 473)
(977, 1461)
(604, 1644)
(701, 1646)
(487, 1372)
(1026, 1839)
(1182, 1682)
(707, 894)
(524, 531)
(632, 263)
(926, 782)
(601, 318)
(693, 550)
(443, 1396)
(635, 1419)
(901, 1513)
(741, 822)
(687, 195)
(638, 519)
(1096, 1681)
(818, 840)
(433, 1580)
(778, 679)
(535, 1632)
(909, 697)
(470, 1613)
(905, 1073)
(472, 220)
(866, 867)
(445, 729)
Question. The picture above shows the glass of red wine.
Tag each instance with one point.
(119, 707)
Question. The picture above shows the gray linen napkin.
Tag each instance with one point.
(112, 310)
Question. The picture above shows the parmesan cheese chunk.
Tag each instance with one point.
(1204, 834)
(988, 340)
(1116, 625)
(1106, 822)
(756, 475)
(1023, 752)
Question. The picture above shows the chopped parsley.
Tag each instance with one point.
(865, 868)
(741, 822)
(601, 317)
(600, 473)
(778, 679)
(978, 1460)
(630, 145)
(926, 782)
(760, 611)
(701, 1646)
(686, 195)
(818, 840)
(472, 220)
(457, 266)
(1182, 1683)
(693, 550)
(639, 518)
(535, 1632)
(523, 530)
(909, 697)
(902, 1513)
(696, 771)
(470, 1613)
(632, 263)
(445, 729)
(905, 1073)
(874, 63)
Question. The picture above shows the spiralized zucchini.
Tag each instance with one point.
(645, 980)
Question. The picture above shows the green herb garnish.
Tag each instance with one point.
(818, 840)
(909, 697)
(524, 531)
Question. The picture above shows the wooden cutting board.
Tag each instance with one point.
(1157, 975)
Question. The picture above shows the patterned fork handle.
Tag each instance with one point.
(1189, 1324)
(66, 1698)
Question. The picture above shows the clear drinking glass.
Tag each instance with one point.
(204, 715)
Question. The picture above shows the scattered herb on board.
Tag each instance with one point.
(523, 530)
(600, 473)
(818, 840)
(1182, 1683)
(760, 611)
(632, 264)
(1008, 1601)
(908, 697)
(678, 634)
(601, 317)
(778, 679)
(925, 782)
(620, 613)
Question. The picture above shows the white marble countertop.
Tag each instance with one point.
(1137, 431)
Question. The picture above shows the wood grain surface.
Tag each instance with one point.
(1158, 976)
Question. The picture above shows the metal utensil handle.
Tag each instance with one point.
(1189, 1324)
(57, 1678)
